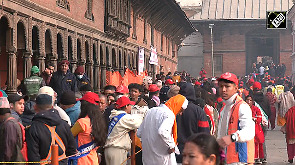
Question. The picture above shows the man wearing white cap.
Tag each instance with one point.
(48, 90)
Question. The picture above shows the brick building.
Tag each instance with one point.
(240, 35)
(99, 35)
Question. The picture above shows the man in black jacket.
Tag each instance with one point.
(63, 79)
(47, 128)
(192, 120)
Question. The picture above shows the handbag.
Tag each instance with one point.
(259, 135)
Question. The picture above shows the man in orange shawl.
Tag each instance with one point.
(158, 132)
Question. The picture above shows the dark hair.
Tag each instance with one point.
(269, 90)
(207, 145)
(110, 87)
(3, 111)
(49, 64)
(248, 97)
(114, 95)
(135, 86)
(98, 124)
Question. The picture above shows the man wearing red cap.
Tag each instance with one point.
(118, 142)
(154, 99)
(164, 90)
(63, 79)
(236, 129)
(82, 78)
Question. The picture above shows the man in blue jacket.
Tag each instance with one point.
(63, 79)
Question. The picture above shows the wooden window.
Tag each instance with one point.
(63, 4)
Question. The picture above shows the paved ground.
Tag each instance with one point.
(276, 148)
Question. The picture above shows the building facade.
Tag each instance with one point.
(240, 36)
(291, 16)
(99, 35)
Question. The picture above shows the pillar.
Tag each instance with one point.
(96, 78)
(12, 70)
(74, 65)
(53, 60)
(41, 62)
(27, 64)
(89, 71)
(103, 76)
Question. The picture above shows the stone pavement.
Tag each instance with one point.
(276, 147)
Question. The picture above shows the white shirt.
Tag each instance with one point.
(156, 135)
(247, 125)
(261, 70)
(63, 115)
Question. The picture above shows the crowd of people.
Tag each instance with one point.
(177, 119)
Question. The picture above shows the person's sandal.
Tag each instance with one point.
(290, 161)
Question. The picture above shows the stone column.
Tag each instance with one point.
(74, 65)
(27, 64)
(121, 70)
(89, 71)
(41, 62)
(53, 60)
(12, 70)
(103, 76)
(96, 79)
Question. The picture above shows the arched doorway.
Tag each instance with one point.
(48, 45)
(35, 45)
(95, 68)
(120, 65)
(70, 51)
(114, 63)
(108, 64)
(264, 43)
(21, 47)
(4, 31)
(129, 62)
(79, 51)
(60, 50)
(88, 62)
(102, 64)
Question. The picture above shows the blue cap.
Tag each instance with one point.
(43, 99)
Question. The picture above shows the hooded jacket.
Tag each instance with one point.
(192, 120)
(263, 102)
(74, 112)
(38, 136)
(28, 114)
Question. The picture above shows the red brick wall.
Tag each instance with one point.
(157, 43)
(286, 50)
(232, 47)
(77, 11)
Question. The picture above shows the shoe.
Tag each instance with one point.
(257, 161)
(290, 161)
(264, 161)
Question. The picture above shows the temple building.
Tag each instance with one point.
(99, 35)
(240, 37)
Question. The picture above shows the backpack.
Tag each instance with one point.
(24, 150)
